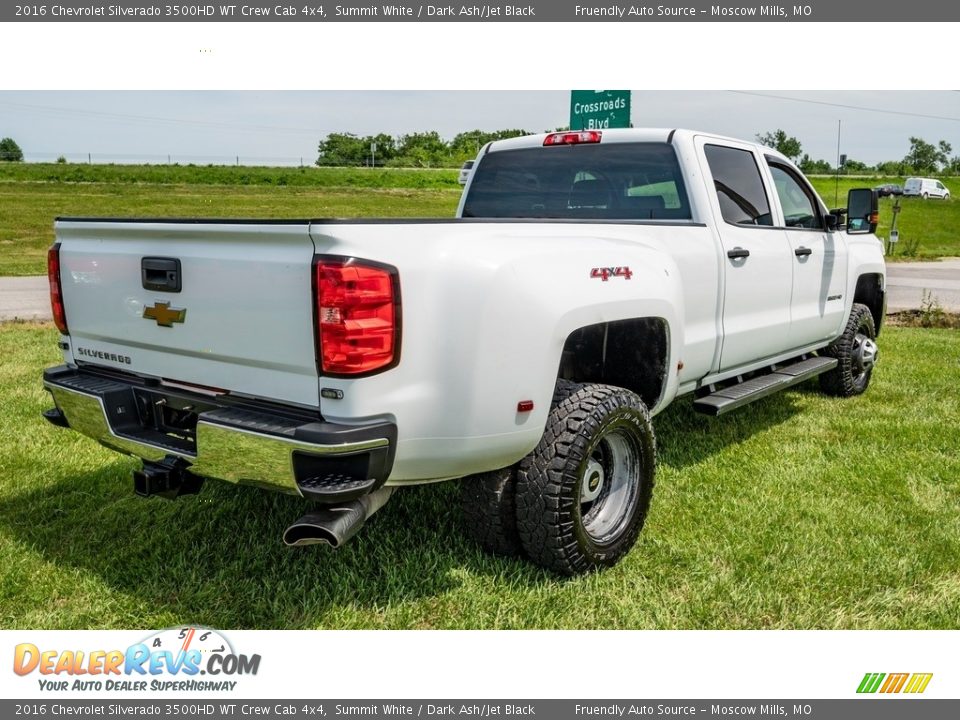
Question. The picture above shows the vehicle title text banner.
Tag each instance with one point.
(212, 707)
(859, 11)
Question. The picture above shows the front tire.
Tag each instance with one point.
(584, 492)
(856, 353)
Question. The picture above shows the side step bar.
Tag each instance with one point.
(730, 398)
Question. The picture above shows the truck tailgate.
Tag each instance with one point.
(246, 299)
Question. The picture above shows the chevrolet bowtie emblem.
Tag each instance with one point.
(164, 314)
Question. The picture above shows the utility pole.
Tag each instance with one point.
(836, 189)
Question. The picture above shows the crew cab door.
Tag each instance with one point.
(819, 258)
(757, 256)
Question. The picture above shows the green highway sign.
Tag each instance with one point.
(598, 109)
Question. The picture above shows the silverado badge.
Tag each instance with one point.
(165, 315)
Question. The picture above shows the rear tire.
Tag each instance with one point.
(563, 390)
(489, 511)
(856, 353)
(488, 500)
(583, 493)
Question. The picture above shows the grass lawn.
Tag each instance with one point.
(797, 512)
(27, 208)
(933, 225)
(32, 195)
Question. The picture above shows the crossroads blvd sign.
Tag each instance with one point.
(598, 109)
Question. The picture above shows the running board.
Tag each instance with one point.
(730, 398)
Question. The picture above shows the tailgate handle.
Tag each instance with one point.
(160, 274)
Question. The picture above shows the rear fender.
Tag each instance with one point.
(486, 317)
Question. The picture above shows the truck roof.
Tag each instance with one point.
(610, 135)
(625, 135)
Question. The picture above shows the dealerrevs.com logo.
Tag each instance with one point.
(177, 659)
(892, 683)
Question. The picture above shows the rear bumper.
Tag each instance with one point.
(277, 447)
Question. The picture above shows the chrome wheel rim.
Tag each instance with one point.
(608, 486)
(865, 353)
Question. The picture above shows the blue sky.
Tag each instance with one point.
(280, 127)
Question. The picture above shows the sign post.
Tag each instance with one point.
(894, 233)
(599, 109)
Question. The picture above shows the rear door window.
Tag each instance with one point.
(612, 181)
(739, 187)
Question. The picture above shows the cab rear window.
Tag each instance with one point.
(613, 181)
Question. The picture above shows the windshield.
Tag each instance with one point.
(621, 181)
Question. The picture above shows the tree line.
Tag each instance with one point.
(423, 149)
(923, 158)
(428, 149)
(10, 151)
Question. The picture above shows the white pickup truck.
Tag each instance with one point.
(589, 279)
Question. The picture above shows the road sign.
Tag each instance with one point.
(598, 109)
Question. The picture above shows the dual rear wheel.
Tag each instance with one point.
(577, 502)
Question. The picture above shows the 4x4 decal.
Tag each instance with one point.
(605, 273)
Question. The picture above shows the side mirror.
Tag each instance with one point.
(833, 220)
(862, 214)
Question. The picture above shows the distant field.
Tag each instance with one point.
(28, 207)
(32, 195)
(934, 224)
(308, 176)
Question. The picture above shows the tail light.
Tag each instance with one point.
(56, 292)
(572, 138)
(358, 316)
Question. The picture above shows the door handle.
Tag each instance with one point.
(802, 251)
(737, 253)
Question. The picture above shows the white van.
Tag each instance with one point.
(925, 187)
(465, 172)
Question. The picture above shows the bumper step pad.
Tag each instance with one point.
(334, 484)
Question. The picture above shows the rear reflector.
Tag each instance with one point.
(358, 316)
(572, 138)
(56, 292)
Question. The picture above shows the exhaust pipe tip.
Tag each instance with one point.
(335, 524)
(312, 529)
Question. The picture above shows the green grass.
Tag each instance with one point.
(797, 512)
(308, 176)
(27, 209)
(932, 224)
(32, 195)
